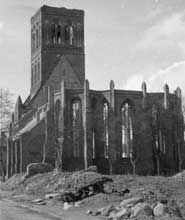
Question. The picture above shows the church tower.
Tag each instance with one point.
(56, 32)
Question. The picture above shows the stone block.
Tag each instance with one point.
(35, 168)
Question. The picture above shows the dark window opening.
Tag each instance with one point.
(106, 132)
(53, 37)
(59, 34)
(76, 126)
(126, 130)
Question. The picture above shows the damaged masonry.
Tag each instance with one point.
(67, 124)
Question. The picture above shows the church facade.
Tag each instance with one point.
(67, 124)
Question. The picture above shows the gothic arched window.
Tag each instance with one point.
(37, 38)
(106, 132)
(59, 34)
(126, 129)
(38, 71)
(76, 126)
(69, 34)
(57, 113)
(79, 34)
(53, 34)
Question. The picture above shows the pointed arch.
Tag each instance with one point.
(126, 128)
(106, 128)
(57, 114)
(59, 34)
(76, 126)
(53, 37)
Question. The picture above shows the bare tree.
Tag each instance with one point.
(6, 108)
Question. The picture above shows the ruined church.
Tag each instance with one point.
(67, 124)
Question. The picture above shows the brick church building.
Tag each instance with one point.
(67, 124)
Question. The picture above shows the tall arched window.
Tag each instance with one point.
(76, 126)
(106, 132)
(57, 113)
(126, 130)
(38, 70)
(33, 40)
(69, 34)
(37, 38)
(59, 34)
(53, 34)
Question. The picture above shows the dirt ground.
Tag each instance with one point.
(152, 189)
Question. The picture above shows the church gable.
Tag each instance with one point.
(64, 71)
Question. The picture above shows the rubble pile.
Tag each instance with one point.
(180, 176)
(137, 208)
(114, 197)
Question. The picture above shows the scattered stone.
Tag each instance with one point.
(77, 204)
(89, 212)
(66, 206)
(79, 193)
(52, 195)
(92, 169)
(105, 211)
(35, 168)
(37, 200)
(164, 201)
(41, 203)
(142, 209)
(112, 215)
(132, 201)
(122, 214)
(123, 192)
(160, 209)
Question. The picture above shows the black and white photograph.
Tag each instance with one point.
(92, 109)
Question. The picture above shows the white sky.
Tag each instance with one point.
(129, 41)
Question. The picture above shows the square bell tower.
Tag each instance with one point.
(56, 32)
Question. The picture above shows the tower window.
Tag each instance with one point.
(79, 35)
(126, 130)
(69, 34)
(106, 133)
(59, 34)
(53, 37)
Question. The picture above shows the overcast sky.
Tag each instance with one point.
(129, 41)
